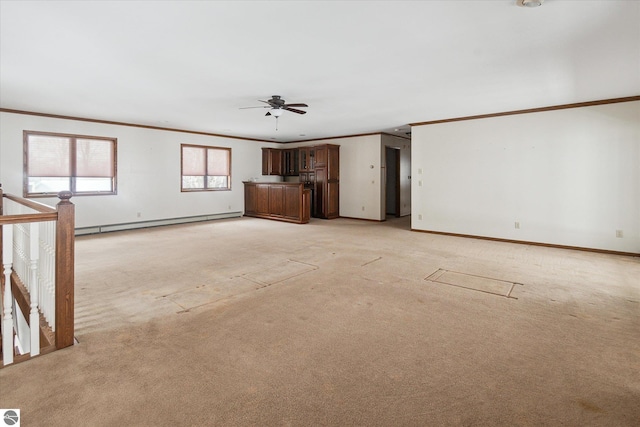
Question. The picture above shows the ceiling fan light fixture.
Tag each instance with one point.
(529, 3)
(276, 112)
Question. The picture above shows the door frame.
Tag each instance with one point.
(396, 178)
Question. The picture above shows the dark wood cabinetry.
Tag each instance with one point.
(283, 201)
(327, 181)
(262, 199)
(280, 162)
(290, 161)
(306, 158)
(317, 166)
(272, 161)
(250, 198)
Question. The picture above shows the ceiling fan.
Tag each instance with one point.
(278, 105)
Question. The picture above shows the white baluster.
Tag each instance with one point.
(48, 286)
(46, 272)
(7, 318)
(34, 317)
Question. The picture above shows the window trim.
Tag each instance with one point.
(206, 148)
(73, 158)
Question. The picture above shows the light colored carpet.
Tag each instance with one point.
(255, 322)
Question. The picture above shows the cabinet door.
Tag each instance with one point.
(286, 162)
(272, 161)
(320, 188)
(262, 199)
(311, 155)
(250, 195)
(303, 158)
(276, 200)
(266, 160)
(332, 209)
(333, 181)
(292, 201)
(276, 162)
(291, 162)
(320, 158)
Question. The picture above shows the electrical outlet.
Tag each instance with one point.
(619, 233)
(363, 208)
(139, 214)
(517, 224)
(420, 217)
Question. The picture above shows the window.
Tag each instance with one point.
(205, 168)
(84, 165)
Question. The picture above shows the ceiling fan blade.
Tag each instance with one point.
(295, 105)
(261, 106)
(293, 110)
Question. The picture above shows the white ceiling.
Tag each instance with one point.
(362, 66)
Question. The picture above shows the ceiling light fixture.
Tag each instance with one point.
(276, 112)
(529, 3)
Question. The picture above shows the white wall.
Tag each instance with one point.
(360, 175)
(569, 177)
(148, 171)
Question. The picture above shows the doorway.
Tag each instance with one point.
(392, 186)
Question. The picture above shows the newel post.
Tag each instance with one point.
(65, 262)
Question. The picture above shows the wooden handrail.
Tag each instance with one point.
(19, 219)
(46, 213)
(37, 206)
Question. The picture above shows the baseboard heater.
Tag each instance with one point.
(153, 223)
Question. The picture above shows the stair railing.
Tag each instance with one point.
(37, 254)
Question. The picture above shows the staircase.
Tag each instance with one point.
(37, 280)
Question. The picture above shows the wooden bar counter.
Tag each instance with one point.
(282, 201)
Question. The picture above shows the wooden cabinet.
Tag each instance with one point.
(318, 168)
(283, 201)
(306, 159)
(276, 200)
(250, 199)
(320, 158)
(333, 182)
(291, 209)
(262, 199)
(308, 179)
(319, 191)
(326, 202)
(271, 161)
(332, 207)
(291, 160)
(280, 162)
